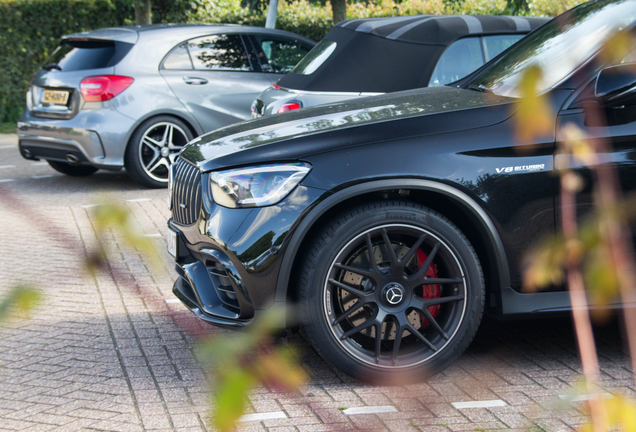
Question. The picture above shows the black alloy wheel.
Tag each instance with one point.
(391, 290)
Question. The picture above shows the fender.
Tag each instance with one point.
(493, 239)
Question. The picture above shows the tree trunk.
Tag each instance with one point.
(339, 8)
(143, 12)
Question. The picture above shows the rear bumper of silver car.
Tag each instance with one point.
(74, 140)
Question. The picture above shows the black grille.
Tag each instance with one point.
(186, 193)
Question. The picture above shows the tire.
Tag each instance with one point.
(345, 300)
(152, 149)
(72, 170)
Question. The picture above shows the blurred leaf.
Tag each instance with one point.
(280, 369)
(600, 275)
(21, 299)
(120, 218)
(578, 144)
(231, 391)
(616, 48)
(544, 264)
(247, 358)
(534, 116)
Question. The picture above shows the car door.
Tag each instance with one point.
(214, 78)
(278, 55)
(615, 123)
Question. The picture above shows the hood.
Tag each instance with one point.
(297, 134)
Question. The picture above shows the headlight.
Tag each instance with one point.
(256, 186)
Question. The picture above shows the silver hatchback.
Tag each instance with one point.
(134, 96)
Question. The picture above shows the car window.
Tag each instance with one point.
(74, 55)
(316, 57)
(178, 58)
(282, 54)
(461, 58)
(219, 52)
(495, 45)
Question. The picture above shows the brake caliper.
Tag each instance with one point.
(429, 291)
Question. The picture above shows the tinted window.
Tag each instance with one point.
(83, 55)
(559, 46)
(459, 59)
(178, 59)
(494, 45)
(282, 54)
(315, 58)
(219, 52)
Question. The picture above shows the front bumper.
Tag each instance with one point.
(93, 137)
(229, 260)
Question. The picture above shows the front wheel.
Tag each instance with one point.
(155, 146)
(391, 291)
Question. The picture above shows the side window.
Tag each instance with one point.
(459, 59)
(494, 45)
(282, 54)
(178, 58)
(219, 52)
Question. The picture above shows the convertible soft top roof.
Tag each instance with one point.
(396, 53)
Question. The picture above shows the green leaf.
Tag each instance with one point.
(21, 299)
(230, 394)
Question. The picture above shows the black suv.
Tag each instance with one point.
(394, 222)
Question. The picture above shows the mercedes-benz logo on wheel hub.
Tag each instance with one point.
(394, 294)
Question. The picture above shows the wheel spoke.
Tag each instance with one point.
(156, 156)
(406, 258)
(347, 288)
(167, 135)
(347, 313)
(429, 260)
(436, 281)
(368, 323)
(421, 337)
(442, 300)
(434, 323)
(396, 343)
(358, 271)
(374, 264)
(160, 162)
(155, 145)
(378, 341)
(387, 244)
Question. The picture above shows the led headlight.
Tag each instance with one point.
(256, 186)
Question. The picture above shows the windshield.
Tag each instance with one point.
(559, 47)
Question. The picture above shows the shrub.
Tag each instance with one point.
(551, 7)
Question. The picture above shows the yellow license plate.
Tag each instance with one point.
(57, 97)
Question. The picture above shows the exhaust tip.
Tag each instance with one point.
(72, 159)
(28, 154)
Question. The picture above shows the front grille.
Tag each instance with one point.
(186, 193)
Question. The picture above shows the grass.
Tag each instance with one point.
(6, 128)
(342, 408)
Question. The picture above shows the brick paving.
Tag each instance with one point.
(114, 354)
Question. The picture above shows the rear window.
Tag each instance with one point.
(74, 55)
(315, 58)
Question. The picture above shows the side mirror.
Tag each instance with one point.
(615, 84)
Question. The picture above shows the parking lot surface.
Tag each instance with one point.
(116, 354)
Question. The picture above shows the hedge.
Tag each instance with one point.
(30, 29)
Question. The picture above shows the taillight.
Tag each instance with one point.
(104, 87)
(289, 107)
(275, 87)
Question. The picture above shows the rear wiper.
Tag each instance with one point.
(480, 88)
(52, 66)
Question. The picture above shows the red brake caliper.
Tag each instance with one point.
(429, 291)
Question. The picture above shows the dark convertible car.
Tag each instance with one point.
(392, 223)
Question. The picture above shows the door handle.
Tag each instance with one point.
(194, 80)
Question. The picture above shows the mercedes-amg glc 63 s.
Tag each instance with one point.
(392, 223)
